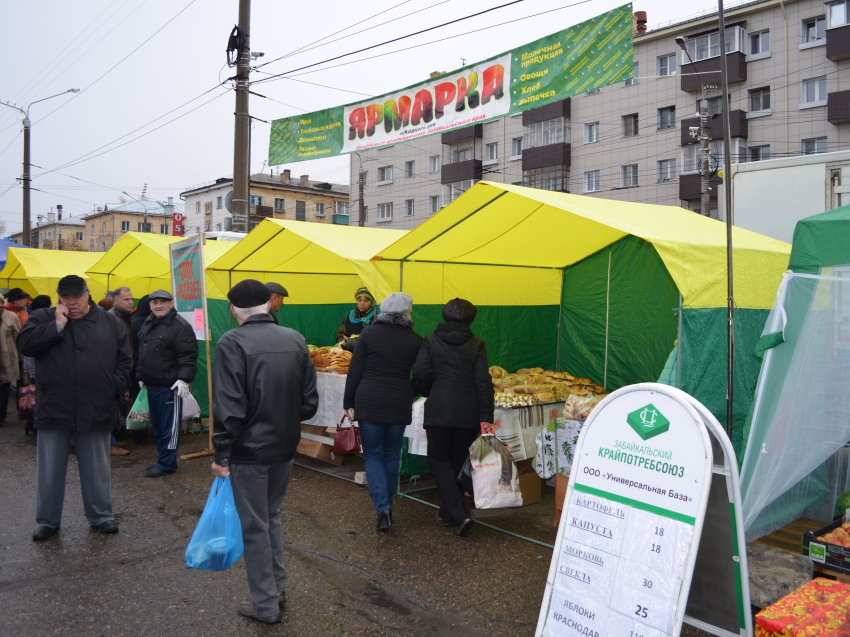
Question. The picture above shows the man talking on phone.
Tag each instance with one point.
(82, 362)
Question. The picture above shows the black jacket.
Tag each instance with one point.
(378, 386)
(136, 322)
(168, 351)
(451, 370)
(81, 372)
(264, 386)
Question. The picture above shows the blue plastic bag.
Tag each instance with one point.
(216, 544)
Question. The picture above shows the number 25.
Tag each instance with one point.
(641, 611)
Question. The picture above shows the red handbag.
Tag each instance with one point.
(346, 438)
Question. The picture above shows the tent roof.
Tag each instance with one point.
(821, 240)
(40, 270)
(300, 247)
(501, 224)
(4, 247)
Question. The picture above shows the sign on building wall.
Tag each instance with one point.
(589, 55)
(177, 224)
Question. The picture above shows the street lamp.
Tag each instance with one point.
(145, 226)
(25, 178)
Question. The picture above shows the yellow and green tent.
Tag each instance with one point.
(38, 271)
(320, 265)
(596, 287)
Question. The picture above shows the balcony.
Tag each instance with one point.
(476, 130)
(737, 124)
(838, 107)
(690, 186)
(710, 71)
(550, 111)
(341, 220)
(545, 156)
(838, 43)
(461, 171)
(262, 212)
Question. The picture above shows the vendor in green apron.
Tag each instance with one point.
(358, 319)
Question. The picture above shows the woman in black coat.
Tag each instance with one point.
(378, 391)
(452, 371)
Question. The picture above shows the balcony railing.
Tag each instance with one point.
(838, 43)
(709, 70)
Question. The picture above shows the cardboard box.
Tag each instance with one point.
(315, 443)
(833, 557)
(561, 483)
(530, 484)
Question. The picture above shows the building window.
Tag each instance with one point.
(434, 164)
(667, 65)
(218, 203)
(79, 236)
(455, 190)
(125, 226)
(630, 125)
(491, 153)
(409, 169)
(592, 181)
(759, 43)
(92, 229)
(208, 207)
(516, 148)
(103, 227)
(666, 170)
(279, 204)
(408, 207)
(814, 91)
(550, 131)
(708, 45)
(461, 154)
(591, 133)
(163, 228)
(838, 14)
(145, 227)
(197, 207)
(814, 146)
(759, 153)
(364, 176)
(628, 176)
(549, 178)
(760, 99)
(433, 204)
(365, 214)
(103, 247)
(256, 200)
(634, 79)
(300, 210)
(715, 105)
(691, 155)
(320, 210)
(385, 175)
(814, 29)
(666, 117)
(342, 207)
(218, 227)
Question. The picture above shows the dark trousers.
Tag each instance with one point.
(161, 403)
(381, 446)
(5, 389)
(258, 492)
(448, 449)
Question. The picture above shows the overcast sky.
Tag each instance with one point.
(139, 60)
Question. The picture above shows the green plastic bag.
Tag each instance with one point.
(140, 415)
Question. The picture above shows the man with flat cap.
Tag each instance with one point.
(278, 293)
(168, 357)
(82, 361)
(264, 387)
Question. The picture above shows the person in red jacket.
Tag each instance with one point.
(17, 302)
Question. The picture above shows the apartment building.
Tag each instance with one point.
(53, 232)
(109, 223)
(272, 197)
(789, 94)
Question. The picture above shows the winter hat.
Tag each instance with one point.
(459, 311)
(397, 303)
(71, 285)
(16, 294)
(364, 292)
(41, 301)
(248, 293)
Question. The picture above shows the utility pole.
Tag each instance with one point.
(362, 206)
(242, 131)
(705, 203)
(727, 179)
(26, 239)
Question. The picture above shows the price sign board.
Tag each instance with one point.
(632, 520)
(187, 282)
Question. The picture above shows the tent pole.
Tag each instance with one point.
(679, 346)
(560, 318)
(401, 276)
(607, 315)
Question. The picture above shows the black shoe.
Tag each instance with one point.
(246, 609)
(150, 466)
(281, 598)
(384, 521)
(42, 533)
(106, 527)
(153, 472)
(463, 526)
(442, 521)
(390, 511)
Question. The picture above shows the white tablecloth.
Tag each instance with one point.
(331, 388)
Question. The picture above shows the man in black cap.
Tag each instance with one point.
(168, 356)
(264, 386)
(17, 301)
(82, 361)
(278, 293)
